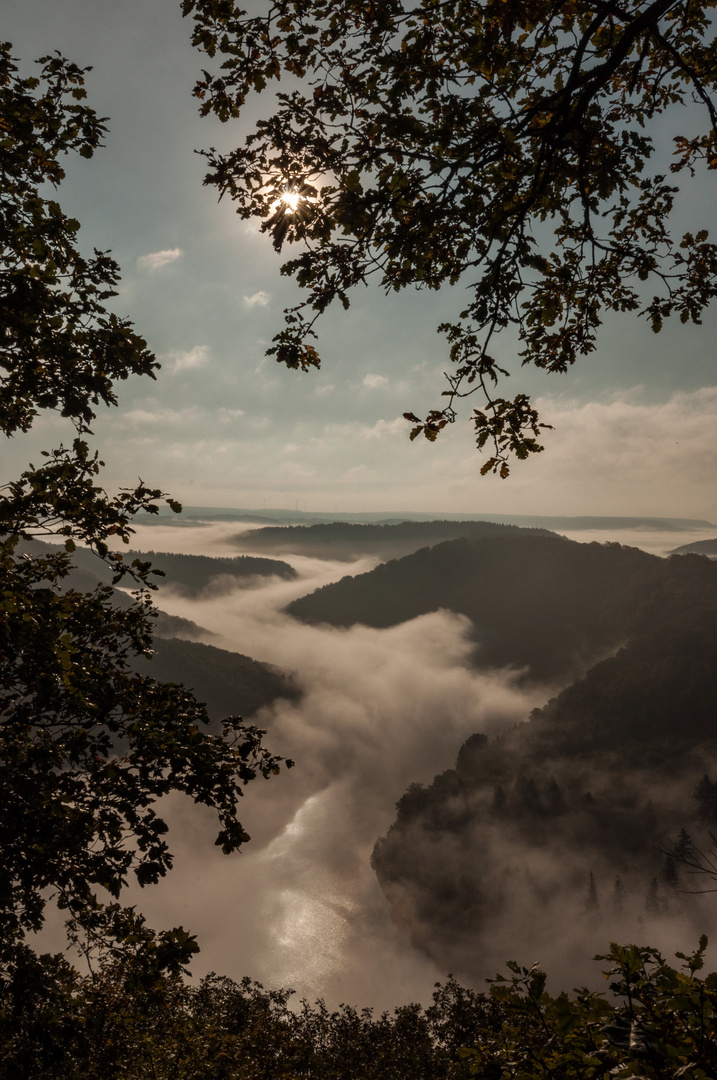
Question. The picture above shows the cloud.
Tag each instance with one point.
(226, 416)
(627, 456)
(156, 259)
(383, 428)
(294, 471)
(187, 361)
(630, 455)
(621, 455)
(257, 299)
(158, 414)
(372, 382)
(357, 472)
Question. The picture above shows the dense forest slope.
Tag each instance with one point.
(191, 575)
(227, 682)
(345, 541)
(571, 815)
(541, 602)
(699, 547)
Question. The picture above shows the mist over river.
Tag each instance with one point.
(380, 709)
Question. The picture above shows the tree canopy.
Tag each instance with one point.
(87, 746)
(657, 1024)
(506, 146)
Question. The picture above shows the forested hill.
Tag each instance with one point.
(699, 547)
(539, 601)
(564, 821)
(563, 824)
(191, 575)
(229, 683)
(187, 574)
(346, 541)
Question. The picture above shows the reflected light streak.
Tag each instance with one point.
(313, 918)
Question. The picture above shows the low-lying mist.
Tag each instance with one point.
(380, 709)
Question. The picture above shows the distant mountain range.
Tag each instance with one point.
(349, 541)
(193, 515)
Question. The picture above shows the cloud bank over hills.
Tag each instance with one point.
(541, 713)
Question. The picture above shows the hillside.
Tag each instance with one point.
(541, 602)
(346, 542)
(565, 820)
(191, 575)
(699, 547)
(229, 683)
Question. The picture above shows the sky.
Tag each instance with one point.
(635, 429)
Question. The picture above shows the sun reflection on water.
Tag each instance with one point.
(312, 918)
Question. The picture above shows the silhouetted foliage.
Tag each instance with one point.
(659, 1022)
(696, 864)
(87, 746)
(505, 146)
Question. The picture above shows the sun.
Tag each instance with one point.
(291, 200)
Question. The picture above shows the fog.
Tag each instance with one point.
(657, 542)
(380, 709)
(487, 891)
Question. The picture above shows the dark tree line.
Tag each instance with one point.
(659, 1022)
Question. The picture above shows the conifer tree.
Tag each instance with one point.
(618, 896)
(592, 902)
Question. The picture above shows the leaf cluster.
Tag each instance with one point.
(505, 146)
(59, 346)
(660, 1023)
